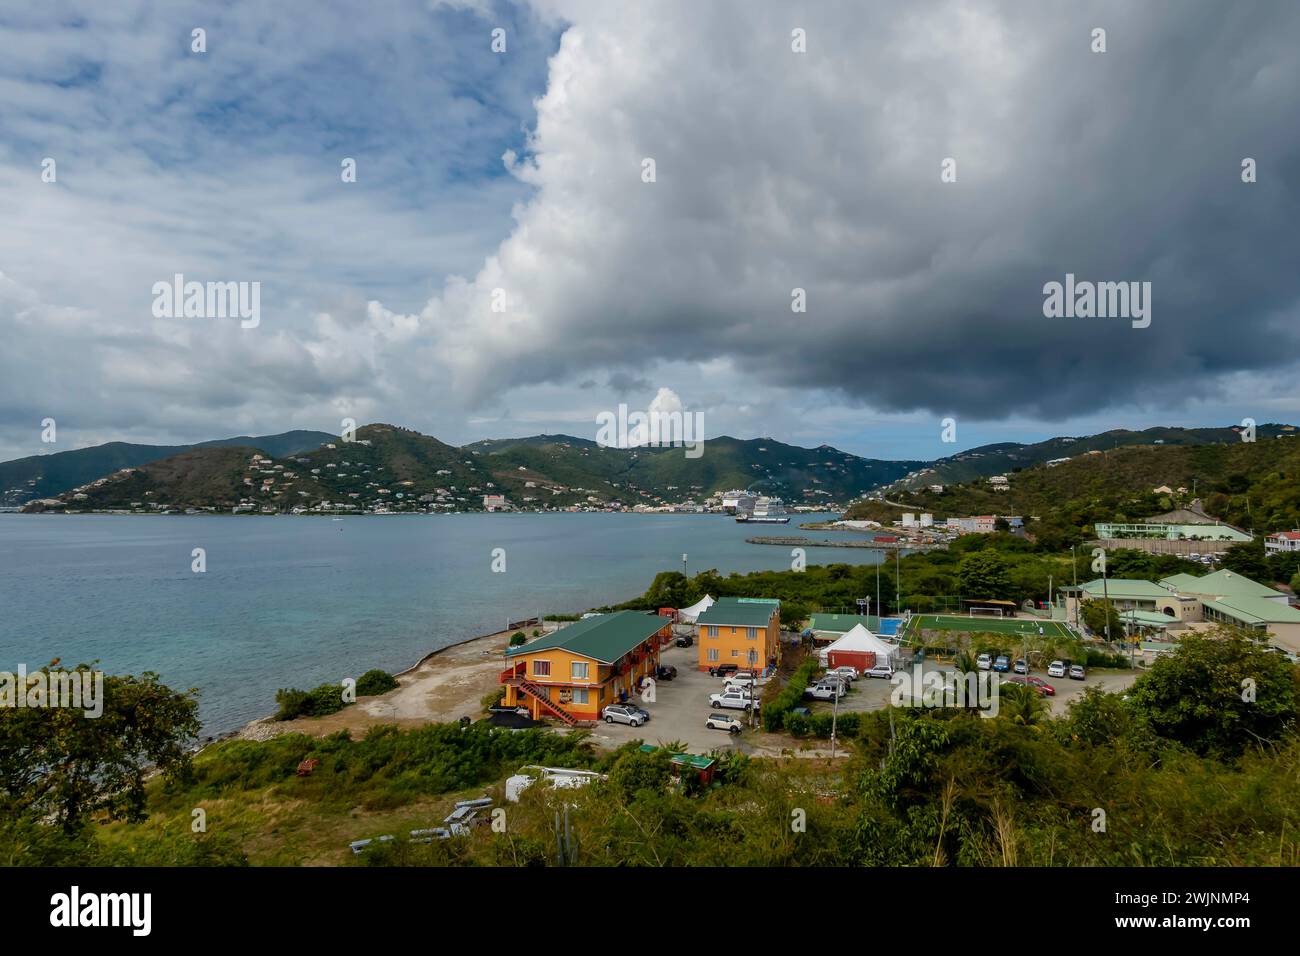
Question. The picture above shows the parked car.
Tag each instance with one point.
(727, 722)
(880, 670)
(665, 672)
(1021, 666)
(1077, 672)
(685, 641)
(984, 662)
(1037, 683)
(1047, 689)
(825, 690)
(625, 714)
(1056, 669)
(844, 683)
(1002, 664)
(734, 699)
(801, 711)
(745, 680)
(723, 670)
(845, 671)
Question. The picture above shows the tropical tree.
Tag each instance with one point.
(983, 574)
(63, 764)
(1219, 694)
(1021, 704)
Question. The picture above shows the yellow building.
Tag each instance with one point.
(574, 672)
(741, 631)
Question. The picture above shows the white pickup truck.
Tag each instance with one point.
(735, 699)
(826, 689)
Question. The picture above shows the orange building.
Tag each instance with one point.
(574, 672)
(741, 631)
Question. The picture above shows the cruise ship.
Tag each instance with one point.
(766, 511)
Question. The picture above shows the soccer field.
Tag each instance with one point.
(987, 625)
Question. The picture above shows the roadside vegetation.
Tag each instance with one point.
(1000, 566)
(1198, 764)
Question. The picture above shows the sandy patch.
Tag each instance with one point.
(445, 686)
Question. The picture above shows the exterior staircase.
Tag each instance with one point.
(521, 683)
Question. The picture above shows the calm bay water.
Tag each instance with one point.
(296, 602)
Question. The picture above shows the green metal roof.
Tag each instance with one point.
(1223, 583)
(1256, 610)
(843, 623)
(604, 638)
(1182, 581)
(740, 612)
(698, 761)
(1126, 588)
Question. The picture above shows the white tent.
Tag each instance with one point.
(687, 615)
(859, 639)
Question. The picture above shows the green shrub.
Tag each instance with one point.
(845, 726)
(374, 682)
(774, 713)
(798, 725)
(293, 703)
(322, 700)
(1093, 658)
(517, 638)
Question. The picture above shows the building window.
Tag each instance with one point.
(751, 633)
(579, 696)
(579, 669)
(713, 653)
(735, 653)
(711, 630)
(541, 668)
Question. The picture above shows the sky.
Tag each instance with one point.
(854, 213)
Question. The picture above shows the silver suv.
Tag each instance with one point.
(625, 714)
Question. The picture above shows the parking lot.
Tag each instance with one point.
(680, 708)
(682, 705)
(873, 694)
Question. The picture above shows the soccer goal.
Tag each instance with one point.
(985, 612)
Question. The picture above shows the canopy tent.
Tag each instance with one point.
(858, 640)
(687, 615)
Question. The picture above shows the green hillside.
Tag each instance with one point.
(986, 460)
(800, 475)
(47, 476)
(1254, 485)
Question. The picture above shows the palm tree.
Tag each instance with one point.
(965, 664)
(1021, 704)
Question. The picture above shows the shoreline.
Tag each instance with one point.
(442, 686)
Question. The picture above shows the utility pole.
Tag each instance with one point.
(753, 687)
(684, 565)
(897, 580)
(1105, 591)
(1074, 568)
(835, 714)
(878, 564)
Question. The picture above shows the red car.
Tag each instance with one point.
(1037, 683)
